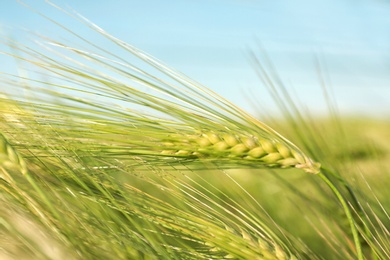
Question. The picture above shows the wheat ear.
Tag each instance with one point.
(9, 157)
(216, 128)
(250, 148)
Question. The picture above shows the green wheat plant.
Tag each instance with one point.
(117, 156)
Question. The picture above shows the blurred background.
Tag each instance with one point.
(213, 42)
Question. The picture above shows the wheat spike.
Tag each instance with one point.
(246, 148)
(9, 157)
(213, 128)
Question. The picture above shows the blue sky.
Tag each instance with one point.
(210, 41)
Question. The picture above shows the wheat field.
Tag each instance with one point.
(104, 159)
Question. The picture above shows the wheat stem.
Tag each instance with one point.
(347, 213)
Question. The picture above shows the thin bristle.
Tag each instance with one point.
(179, 102)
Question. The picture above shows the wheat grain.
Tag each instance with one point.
(247, 148)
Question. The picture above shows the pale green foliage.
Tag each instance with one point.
(128, 161)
